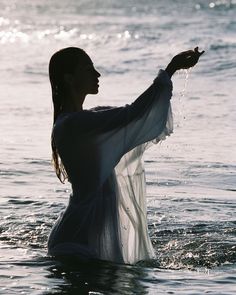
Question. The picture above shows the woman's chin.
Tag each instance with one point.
(95, 90)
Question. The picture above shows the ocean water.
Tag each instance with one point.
(191, 177)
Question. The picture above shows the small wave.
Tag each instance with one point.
(39, 162)
(200, 245)
(13, 172)
(216, 5)
(38, 70)
(222, 45)
(25, 202)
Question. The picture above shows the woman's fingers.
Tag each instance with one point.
(198, 52)
(194, 56)
(192, 52)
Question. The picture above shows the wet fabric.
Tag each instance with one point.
(102, 151)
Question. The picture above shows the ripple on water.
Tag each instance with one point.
(195, 245)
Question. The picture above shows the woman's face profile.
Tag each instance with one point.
(85, 77)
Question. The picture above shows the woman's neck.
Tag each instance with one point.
(73, 103)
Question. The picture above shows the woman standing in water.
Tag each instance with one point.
(100, 152)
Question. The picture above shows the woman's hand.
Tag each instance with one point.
(184, 60)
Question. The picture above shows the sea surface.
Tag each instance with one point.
(191, 177)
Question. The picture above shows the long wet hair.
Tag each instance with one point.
(62, 62)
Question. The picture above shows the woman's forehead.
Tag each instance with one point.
(85, 60)
(84, 63)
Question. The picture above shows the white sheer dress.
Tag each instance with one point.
(102, 150)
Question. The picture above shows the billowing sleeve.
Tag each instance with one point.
(101, 138)
(147, 119)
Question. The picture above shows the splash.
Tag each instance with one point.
(180, 114)
(186, 73)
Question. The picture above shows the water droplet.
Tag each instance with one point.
(198, 6)
(212, 5)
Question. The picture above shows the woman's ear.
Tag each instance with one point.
(68, 78)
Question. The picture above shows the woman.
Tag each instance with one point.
(99, 151)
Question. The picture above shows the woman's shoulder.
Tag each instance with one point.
(83, 113)
(81, 121)
(94, 113)
(67, 117)
(101, 108)
(96, 120)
